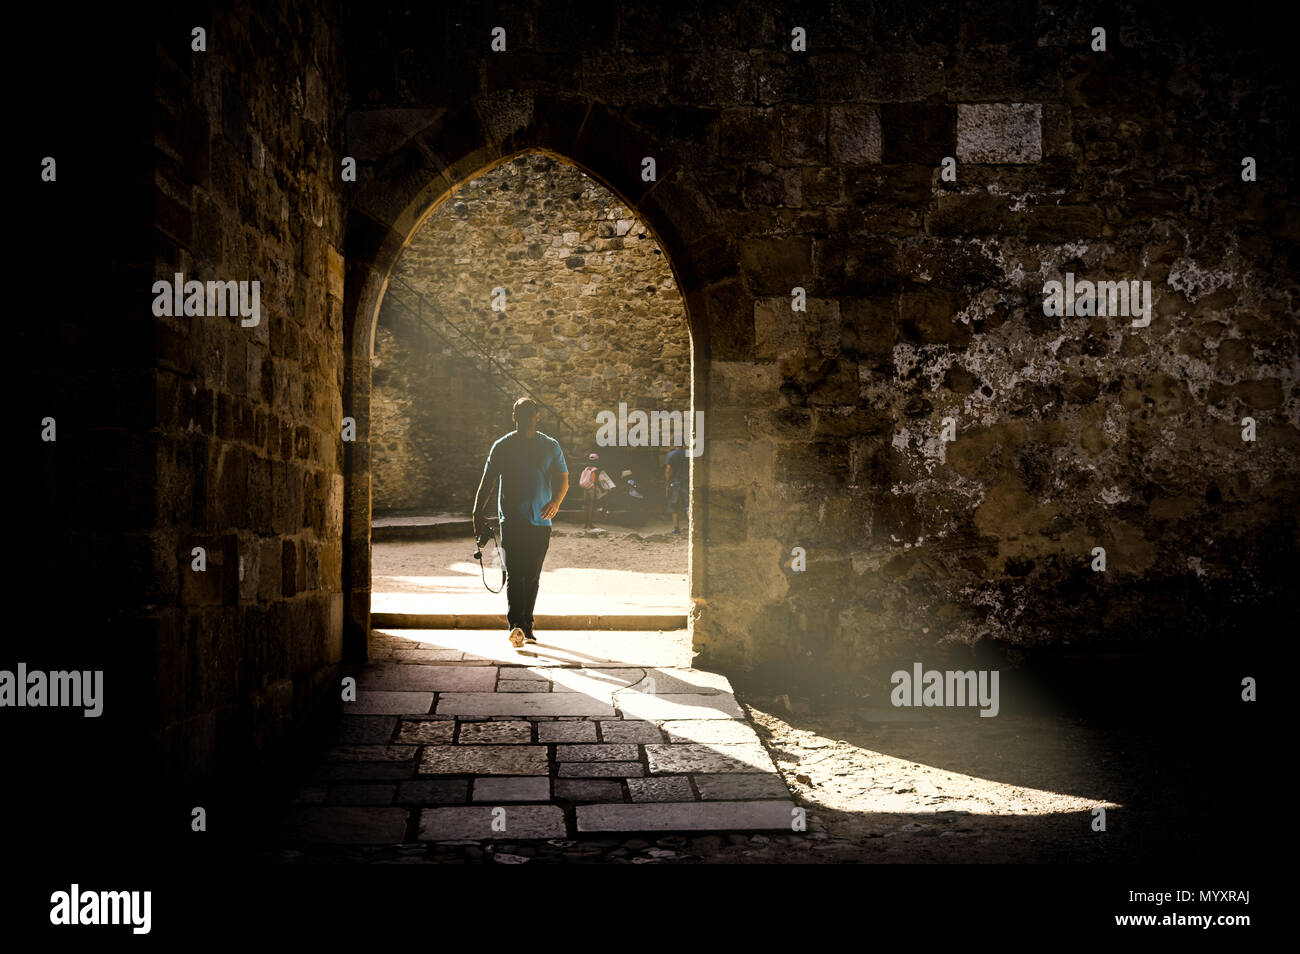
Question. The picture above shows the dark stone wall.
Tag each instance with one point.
(822, 170)
(776, 169)
(247, 445)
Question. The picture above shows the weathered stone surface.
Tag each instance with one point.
(512, 789)
(675, 788)
(426, 732)
(635, 705)
(690, 757)
(630, 730)
(523, 821)
(433, 791)
(483, 760)
(430, 678)
(727, 732)
(601, 769)
(596, 753)
(482, 733)
(587, 790)
(695, 816)
(739, 787)
(370, 753)
(522, 704)
(365, 730)
(389, 703)
(999, 132)
(566, 732)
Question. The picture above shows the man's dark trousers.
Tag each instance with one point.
(523, 548)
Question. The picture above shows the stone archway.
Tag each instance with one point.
(418, 159)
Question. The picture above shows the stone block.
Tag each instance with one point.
(692, 757)
(674, 788)
(597, 753)
(484, 760)
(686, 816)
(476, 822)
(999, 132)
(527, 789)
(740, 787)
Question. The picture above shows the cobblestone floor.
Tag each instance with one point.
(455, 736)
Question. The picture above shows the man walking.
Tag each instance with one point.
(533, 481)
(676, 485)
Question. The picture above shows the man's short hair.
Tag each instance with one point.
(527, 404)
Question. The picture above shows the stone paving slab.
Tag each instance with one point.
(371, 702)
(688, 757)
(594, 682)
(522, 704)
(576, 647)
(347, 825)
(614, 721)
(433, 791)
(509, 685)
(426, 732)
(740, 787)
(710, 731)
(684, 681)
(601, 769)
(587, 789)
(370, 753)
(686, 816)
(566, 732)
(429, 678)
(364, 730)
(637, 705)
(535, 789)
(484, 760)
(513, 732)
(630, 730)
(670, 788)
(615, 752)
(428, 655)
(476, 821)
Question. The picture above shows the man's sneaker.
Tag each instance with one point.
(517, 637)
(530, 638)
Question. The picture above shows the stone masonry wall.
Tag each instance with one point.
(249, 460)
(823, 169)
(593, 317)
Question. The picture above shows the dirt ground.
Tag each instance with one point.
(615, 569)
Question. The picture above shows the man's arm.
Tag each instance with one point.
(486, 485)
(559, 487)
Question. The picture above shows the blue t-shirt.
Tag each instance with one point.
(676, 466)
(525, 466)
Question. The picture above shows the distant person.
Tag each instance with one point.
(676, 485)
(533, 480)
(593, 483)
